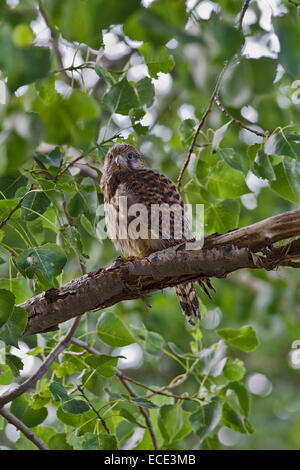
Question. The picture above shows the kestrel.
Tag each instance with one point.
(125, 178)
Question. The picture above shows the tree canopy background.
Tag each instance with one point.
(77, 76)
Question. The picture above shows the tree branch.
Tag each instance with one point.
(31, 381)
(247, 247)
(12, 419)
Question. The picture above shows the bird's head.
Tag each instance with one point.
(122, 158)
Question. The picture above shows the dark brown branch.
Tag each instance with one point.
(243, 12)
(12, 419)
(247, 247)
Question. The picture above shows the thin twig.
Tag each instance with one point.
(239, 123)
(156, 392)
(143, 412)
(243, 12)
(3, 222)
(12, 419)
(94, 410)
(296, 4)
(80, 157)
(72, 68)
(203, 119)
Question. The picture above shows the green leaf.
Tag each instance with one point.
(59, 442)
(244, 338)
(170, 421)
(15, 364)
(104, 365)
(154, 343)
(130, 417)
(19, 287)
(234, 369)
(262, 166)
(9, 183)
(84, 201)
(21, 408)
(108, 442)
(242, 395)
(232, 158)
(225, 182)
(83, 25)
(69, 120)
(111, 330)
(6, 376)
(205, 419)
(121, 98)
(36, 201)
(231, 419)
(212, 359)
(22, 35)
(22, 65)
(287, 29)
(24, 444)
(90, 441)
(48, 259)
(14, 327)
(219, 136)
(87, 225)
(229, 39)
(264, 68)
(287, 183)
(7, 302)
(69, 405)
(145, 91)
(222, 216)
(104, 74)
(58, 391)
(157, 60)
(6, 207)
(139, 401)
(283, 143)
(187, 130)
(54, 158)
(75, 406)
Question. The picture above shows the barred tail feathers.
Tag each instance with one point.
(188, 300)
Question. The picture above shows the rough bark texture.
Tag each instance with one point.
(248, 247)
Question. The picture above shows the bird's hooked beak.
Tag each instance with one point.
(119, 160)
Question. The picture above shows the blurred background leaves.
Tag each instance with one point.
(77, 76)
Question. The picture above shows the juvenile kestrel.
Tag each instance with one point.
(124, 176)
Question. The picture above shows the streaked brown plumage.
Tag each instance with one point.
(125, 175)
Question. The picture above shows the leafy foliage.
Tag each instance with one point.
(60, 115)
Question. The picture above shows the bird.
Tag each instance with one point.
(125, 178)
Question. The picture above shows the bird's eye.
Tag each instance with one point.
(110, 156)
(130, 156)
